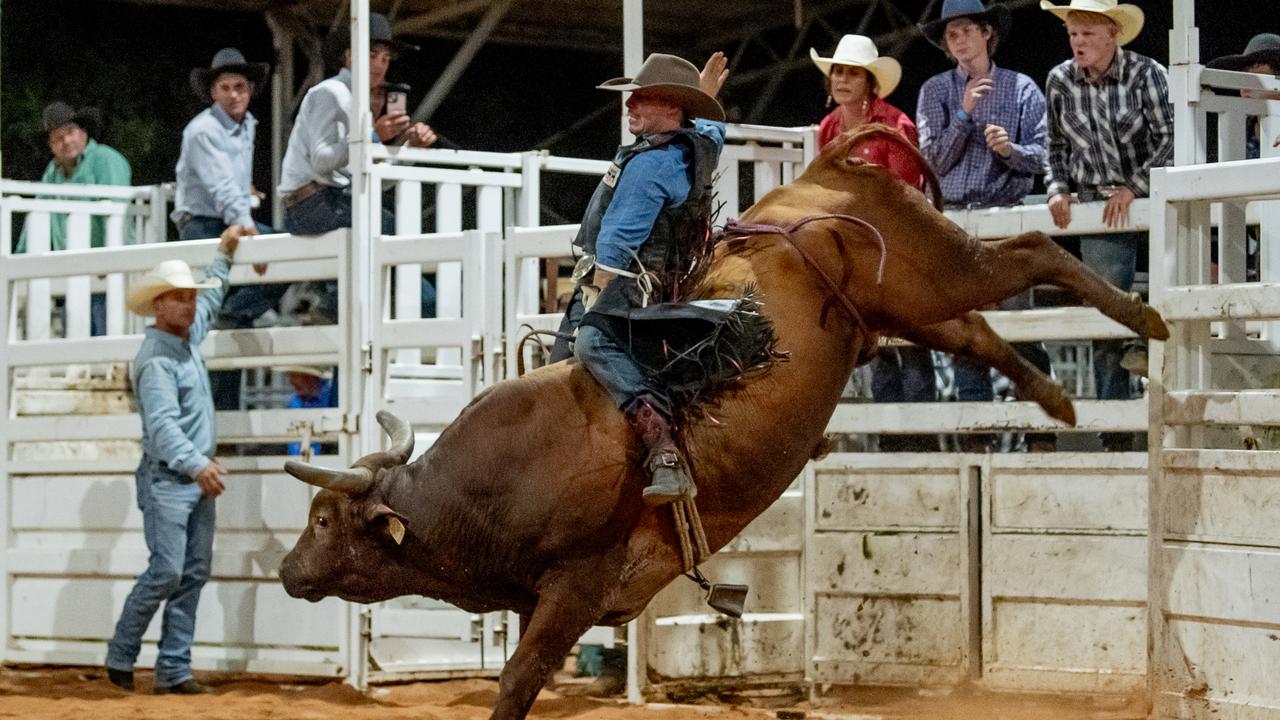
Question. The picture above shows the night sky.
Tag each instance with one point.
(132, 60)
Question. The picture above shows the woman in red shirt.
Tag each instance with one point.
(858, 80)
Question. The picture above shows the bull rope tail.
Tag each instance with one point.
(693, 548)
(741, 230)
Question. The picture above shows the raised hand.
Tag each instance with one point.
(714, 73)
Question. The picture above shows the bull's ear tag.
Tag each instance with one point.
(396, 528)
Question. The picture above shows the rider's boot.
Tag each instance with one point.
(666, 464)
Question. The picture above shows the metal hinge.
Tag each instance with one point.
(366, 357)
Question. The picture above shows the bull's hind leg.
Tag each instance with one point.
(1033, 258)
(970, 335)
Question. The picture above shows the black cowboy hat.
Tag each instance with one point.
(57, 113)
(677, 79)
(998, 16)
(1262, 49)
(228, 60)
(379, 32)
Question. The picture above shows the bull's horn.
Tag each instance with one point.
(352, 482)
(401, 434)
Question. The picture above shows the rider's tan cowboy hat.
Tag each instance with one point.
(675, 78)
(860, 52)
(1127, 17)
(228, 60)
(168, 275)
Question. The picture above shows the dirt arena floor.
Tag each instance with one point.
(85, 694)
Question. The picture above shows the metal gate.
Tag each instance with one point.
(1215, 544)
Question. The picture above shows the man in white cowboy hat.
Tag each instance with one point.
(982, 129)
(1262, 56)
(178, 477)
(655, 185)
(1110, 122)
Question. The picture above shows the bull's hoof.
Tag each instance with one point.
(1057, 404)
(1156, 329)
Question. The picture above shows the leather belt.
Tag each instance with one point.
(293, 198)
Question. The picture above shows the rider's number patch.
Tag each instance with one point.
(611, 175)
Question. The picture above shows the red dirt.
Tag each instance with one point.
(84, 693)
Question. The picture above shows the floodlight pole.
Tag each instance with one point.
(632, 50)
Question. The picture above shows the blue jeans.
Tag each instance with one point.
(330, 209)
(903, 374)
(1115, 258)
(177, 522)
(327, 210)
(610, 365)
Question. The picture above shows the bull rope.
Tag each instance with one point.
(742, 230)
(693, 549)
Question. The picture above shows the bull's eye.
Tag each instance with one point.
(322, 521)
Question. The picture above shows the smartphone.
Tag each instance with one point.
(397, 98)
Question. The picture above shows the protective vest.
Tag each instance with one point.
(659, 254)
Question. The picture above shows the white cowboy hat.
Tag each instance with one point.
(168, 275)
(859, 51)
(1128, 17)
(314, 372)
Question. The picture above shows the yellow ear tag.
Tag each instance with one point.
(396, 528)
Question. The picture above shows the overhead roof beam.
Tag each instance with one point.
(453, 71)
(422, 22)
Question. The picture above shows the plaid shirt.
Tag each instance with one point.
(968, 170)
(1111, 132)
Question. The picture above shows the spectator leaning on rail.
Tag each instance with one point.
(315, 184)
(78, 158)
(1110, 122)
(178, 477)
(857, 80)
(982, 128)
(1262, 56)
(630, 222)
(215, 186)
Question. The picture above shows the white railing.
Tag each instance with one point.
(1212, 403)
(72, 539)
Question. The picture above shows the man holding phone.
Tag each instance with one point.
(316, 183)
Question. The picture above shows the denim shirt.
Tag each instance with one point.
(215, 167)
(651, 182)
(171, 386)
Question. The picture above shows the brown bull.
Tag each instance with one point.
(530, 500)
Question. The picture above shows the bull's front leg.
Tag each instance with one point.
(564, 612)
(970, 335)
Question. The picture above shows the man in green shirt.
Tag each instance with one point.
(77, 158)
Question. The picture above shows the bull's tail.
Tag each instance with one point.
(852, 138)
